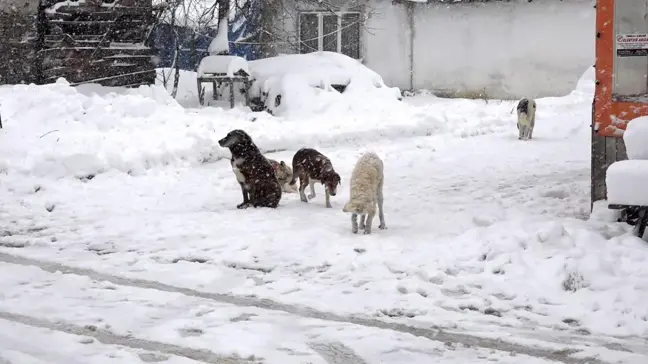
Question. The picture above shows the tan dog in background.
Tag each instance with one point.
(284, 175)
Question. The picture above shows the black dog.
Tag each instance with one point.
(253, 171)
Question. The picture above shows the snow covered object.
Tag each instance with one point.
(220, 44)
(635, 138)
(307, 84)
(627, 181)
(228, 66)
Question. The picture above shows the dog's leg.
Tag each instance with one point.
(312, 190)
(328, 199)
(362, 221)
(354, 223)
(381, 215)
(246, 200)
(303, 182)
(521, 132)
(530, 132)
(370, 217)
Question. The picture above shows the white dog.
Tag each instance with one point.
(366, 192)
(526, 110)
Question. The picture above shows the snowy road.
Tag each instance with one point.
(318, 265)
(90, 310)
(489, 255)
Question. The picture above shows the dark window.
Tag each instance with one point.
(308, 33)
(350, 35)
(336, 30)
(330, 32)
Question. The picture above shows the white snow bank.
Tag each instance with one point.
(636, 138)
(229, 65)
(305, 84)
(56, 130)
(583, 92)
(627, 182)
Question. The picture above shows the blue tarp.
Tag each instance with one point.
(244, 33)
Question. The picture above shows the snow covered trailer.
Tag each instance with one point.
(621, 82)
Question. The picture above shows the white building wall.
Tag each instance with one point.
(386, 42)
(508, 49)
(505, 49)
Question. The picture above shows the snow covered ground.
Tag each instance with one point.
(119, 237)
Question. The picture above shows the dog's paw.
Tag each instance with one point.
(243, 205)
(354, 230)
(367, 231)
(382, 227)
(328, 206)
(310, 197)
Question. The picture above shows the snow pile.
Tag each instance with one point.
(627, 182)
(56, 130)
(542, 272)
(303, 84)
(228, 65)
(635, 138)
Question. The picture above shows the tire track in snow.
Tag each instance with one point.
(108, 338)
(564, 356)
(336, 353)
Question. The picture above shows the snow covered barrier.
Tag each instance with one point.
(635, 138)
(300, 85)
(627, 183)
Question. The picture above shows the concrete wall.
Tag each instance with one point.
(504, 49)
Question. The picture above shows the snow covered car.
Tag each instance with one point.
(314, 82)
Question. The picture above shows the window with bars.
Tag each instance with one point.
(334, 32)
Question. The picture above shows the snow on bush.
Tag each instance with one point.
(636, 138)
(302, 84)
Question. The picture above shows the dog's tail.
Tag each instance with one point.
(295, 175)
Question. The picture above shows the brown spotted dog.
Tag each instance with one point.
(253, 171)
(311, 167)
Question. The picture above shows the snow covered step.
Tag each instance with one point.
(627, 182)
(635, 138)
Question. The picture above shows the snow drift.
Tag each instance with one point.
(299, 85)
(57, 130)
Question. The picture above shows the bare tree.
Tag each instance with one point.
(197, 17)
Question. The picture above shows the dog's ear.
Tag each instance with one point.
(282, 164)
